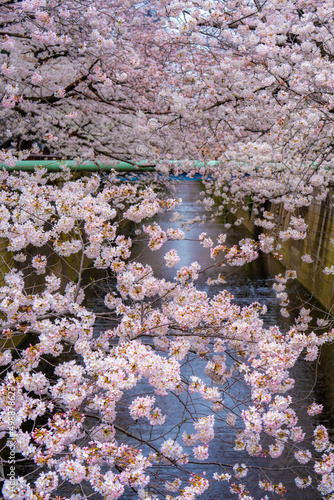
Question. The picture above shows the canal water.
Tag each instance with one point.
(250, 283)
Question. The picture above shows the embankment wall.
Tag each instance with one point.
(319, 217)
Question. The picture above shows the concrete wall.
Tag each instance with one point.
(319, 217)
(65, 268)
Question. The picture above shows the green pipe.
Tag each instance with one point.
(55, 166)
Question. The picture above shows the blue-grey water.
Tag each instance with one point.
(248, 284)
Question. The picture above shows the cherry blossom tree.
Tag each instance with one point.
(66, 419)
(243, 83)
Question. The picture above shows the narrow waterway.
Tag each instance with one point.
(250, 283)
